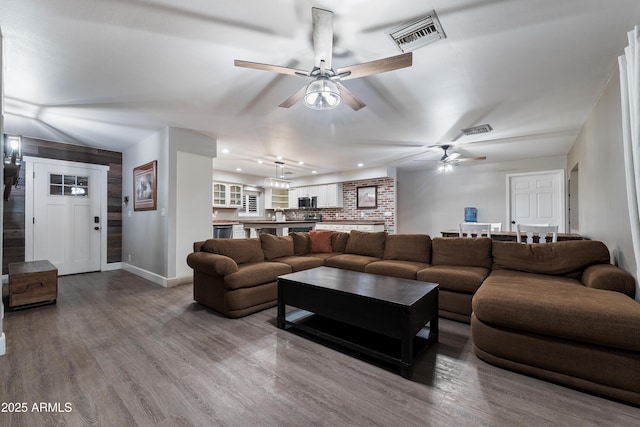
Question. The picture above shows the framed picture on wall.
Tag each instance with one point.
(367, 197)
(145, 187)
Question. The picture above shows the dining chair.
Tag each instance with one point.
(496, 226)
(542, 230)
(467, 229)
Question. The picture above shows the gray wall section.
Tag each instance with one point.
(151, 237)
(431, 203)
(598, 152)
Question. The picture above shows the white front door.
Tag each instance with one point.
(537, 198)
(67, 221)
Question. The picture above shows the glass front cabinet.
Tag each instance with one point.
(227, 195)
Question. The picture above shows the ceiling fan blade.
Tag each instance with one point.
(377, 66)
(294, 98)
(322, 37)
(453, 156)
(268, 67)
(471, 159)
(349, 98)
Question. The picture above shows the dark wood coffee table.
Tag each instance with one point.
(378, 316)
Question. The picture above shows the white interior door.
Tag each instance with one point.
(537, 198)
(67, 219)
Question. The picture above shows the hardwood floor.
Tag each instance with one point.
(117, 350)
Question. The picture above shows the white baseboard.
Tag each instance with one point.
(156, 278)
(112, 266)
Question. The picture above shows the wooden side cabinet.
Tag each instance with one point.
(32, 283)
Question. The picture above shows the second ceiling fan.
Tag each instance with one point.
(326, 91)
(449, 160)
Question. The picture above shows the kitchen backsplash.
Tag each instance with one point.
(386, 203)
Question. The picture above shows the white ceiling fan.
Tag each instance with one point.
(449, 160)
(326, 91)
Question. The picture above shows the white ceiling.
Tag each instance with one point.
(108, 73)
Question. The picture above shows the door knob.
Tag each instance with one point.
(96, 228)
(513, 222)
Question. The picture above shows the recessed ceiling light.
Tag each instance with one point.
(360, 165)
(238, 169)
(279, 157)
(225, 150)
(301, 163)
(314, 171)
(260, 162)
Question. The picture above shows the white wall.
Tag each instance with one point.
(190, 197)
(598, 152)
(431, 203)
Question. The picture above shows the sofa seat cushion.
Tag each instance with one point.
(255, 273)
(454, 278)
(323, 255)
(558, 307)
(299, 263)
(350, 261)
(395, 268)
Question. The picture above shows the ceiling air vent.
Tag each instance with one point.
(419, 32)
(477, 129)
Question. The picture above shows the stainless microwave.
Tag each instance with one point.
(307, 202)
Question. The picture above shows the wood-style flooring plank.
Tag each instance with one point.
(122, 351)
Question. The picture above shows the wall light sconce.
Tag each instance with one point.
(12, 147)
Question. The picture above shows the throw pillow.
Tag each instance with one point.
(276, 246)
(320, 241)
(366, 243)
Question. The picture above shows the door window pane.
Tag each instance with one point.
(68, 185)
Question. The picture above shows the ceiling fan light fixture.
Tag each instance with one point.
(322, 94)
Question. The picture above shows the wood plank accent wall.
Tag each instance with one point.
(13, 220)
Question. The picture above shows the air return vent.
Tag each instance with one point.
(477, 129)
(417, 33)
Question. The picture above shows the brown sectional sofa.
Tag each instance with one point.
(559, 311)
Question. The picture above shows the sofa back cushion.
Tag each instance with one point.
(301, 243)
(339, 241)
(321, 241)
(408, 247)
(276, 246)
(240, 250)
(461, 251)
(568, 258)
(366, 243)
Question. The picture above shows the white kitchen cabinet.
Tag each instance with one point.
(227, 195)
(293, 198)
(309, 191)
(370, 227)
(276, 198)
(330, 195)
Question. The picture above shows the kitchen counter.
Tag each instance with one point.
(355, 222)
(278, 225)
(225, 222)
